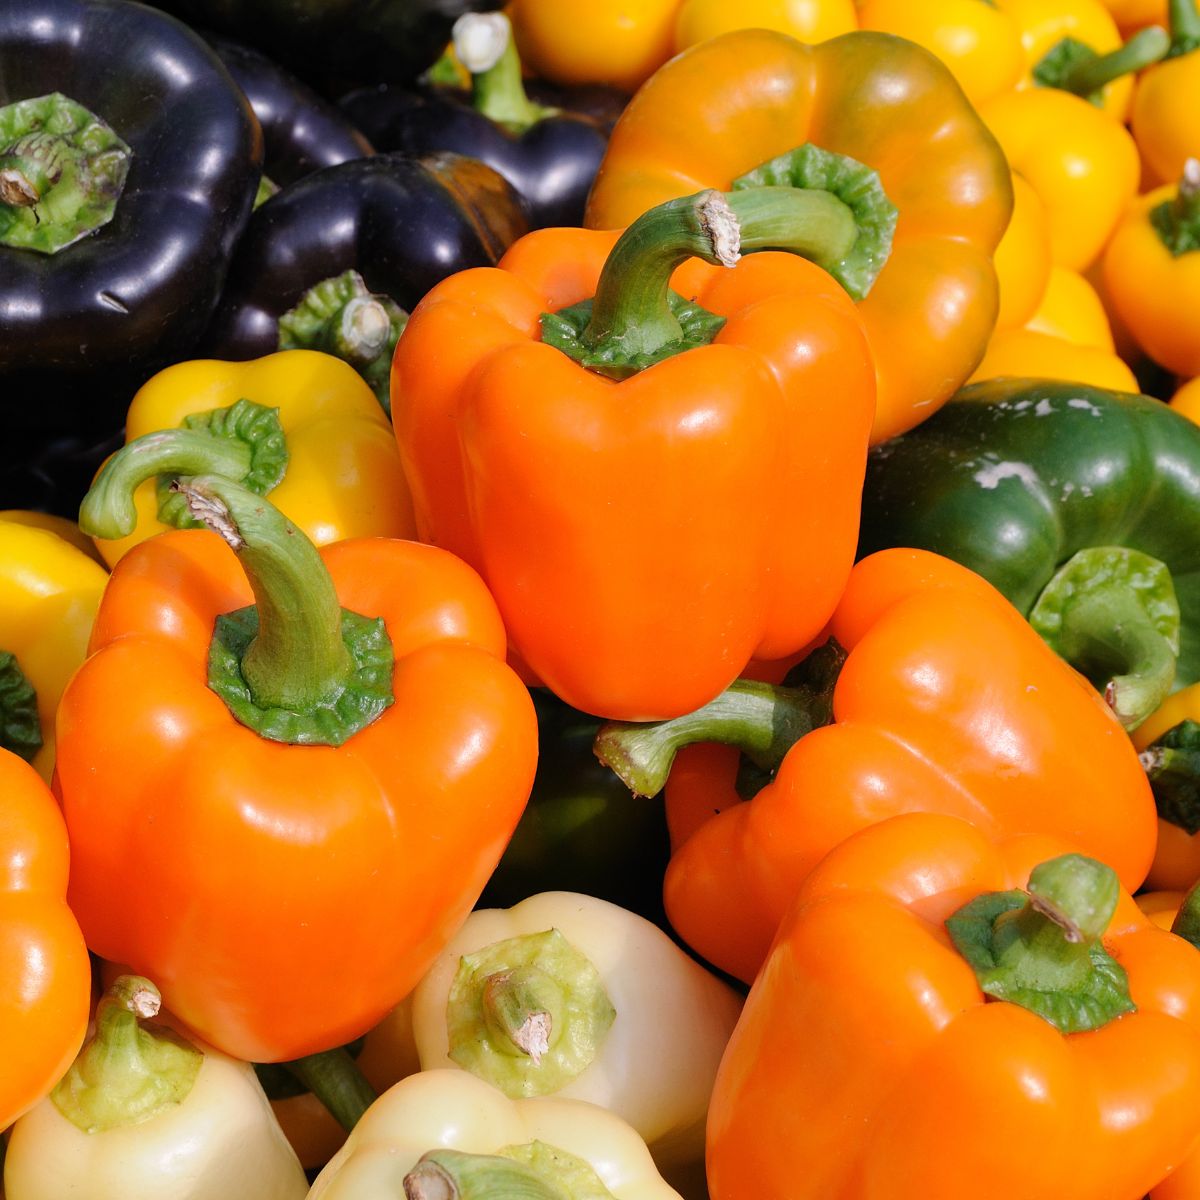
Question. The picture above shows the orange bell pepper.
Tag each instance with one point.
(47, 988)
(722, 108)
(308, 794)
(1164, 116)
(976, 39)
(921, 1030)
(947, 702)
(1152, 272)
(1082, 164)
(642, 535)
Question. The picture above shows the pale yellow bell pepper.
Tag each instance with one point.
(484, 1143)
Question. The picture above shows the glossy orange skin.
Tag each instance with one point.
(643, 539)
(1165, 117)
(867, 1062)
(284, 898)
(727, 105)
(948, 702)
(47, 982)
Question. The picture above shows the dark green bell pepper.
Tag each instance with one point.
(1080, 504)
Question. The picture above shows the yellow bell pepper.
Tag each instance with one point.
(1022, 259)
(65, 528)
(1023, 353)
(805, 20)
(49, 593)
(1152, 272)
(1083, 166)
(976, 39)
(330, 463)
(1071, 309)
(446, 1133)
(1187, 399)
(1165, 114)
(608, 989)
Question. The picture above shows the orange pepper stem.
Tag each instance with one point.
(1112, 613)
(1184, 18)
(763, 720)
(636, 320)
(126, 1074)
(20, 726)
(1075, 67)
(338, 1082)
(1177, 221)
(484, 45)
(1040, 949)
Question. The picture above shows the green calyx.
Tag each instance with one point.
(243, 441)
(126, 1073)
(530, 1171)
(62, 170)
(295, 666)
(484, 45)
(252, 425)
(527, 1014)
(1177, 221)
(342, 317)
(20, 725)
(821, 206)
(1073, 66)
(1172, 765)
(1111, 612)
(1040, 948)
(762, 720)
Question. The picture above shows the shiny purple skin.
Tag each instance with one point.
(137, 293)
(551, 165)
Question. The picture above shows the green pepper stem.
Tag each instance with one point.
(522, 1009)
(126, 1074)
(631, 305)
(1040, 949)
(455, 1175)
(108, 510)
(1172, 765)
(762, 720)
(298, 658)
(1187, 920)
(484, 45)
(20, 723)
(1177, 221)
(1184, 20)
(338, 1082)
(1090, 74)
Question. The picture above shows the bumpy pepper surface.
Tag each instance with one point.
(376, 765)
(725, 107)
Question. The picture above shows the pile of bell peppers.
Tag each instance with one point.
(600, 602)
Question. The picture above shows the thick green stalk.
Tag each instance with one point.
(1073, 66)
(484, 45)
(337, 1081)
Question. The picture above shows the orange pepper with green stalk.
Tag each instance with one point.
(947, 1014)
(941, 698)
(286, 748)
(613, 431)
(300, 426)
(717, 114)
(47, 979)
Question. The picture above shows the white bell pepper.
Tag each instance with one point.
(568, 995)
(444, 1135)
(146, 1112)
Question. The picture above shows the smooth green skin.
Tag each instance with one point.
(1014, 476)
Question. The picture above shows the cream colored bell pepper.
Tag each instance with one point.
(569, 995)
(445, 1135)
(146, 1112)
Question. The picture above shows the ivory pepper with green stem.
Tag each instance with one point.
(1080, 504)
(614, 429)
(286, 749)
(145, 1111)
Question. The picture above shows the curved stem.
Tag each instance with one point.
(484, 45)
(1072, 66)
(762, 720)
(298, 657)
(337, 1081)
(108, 510)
